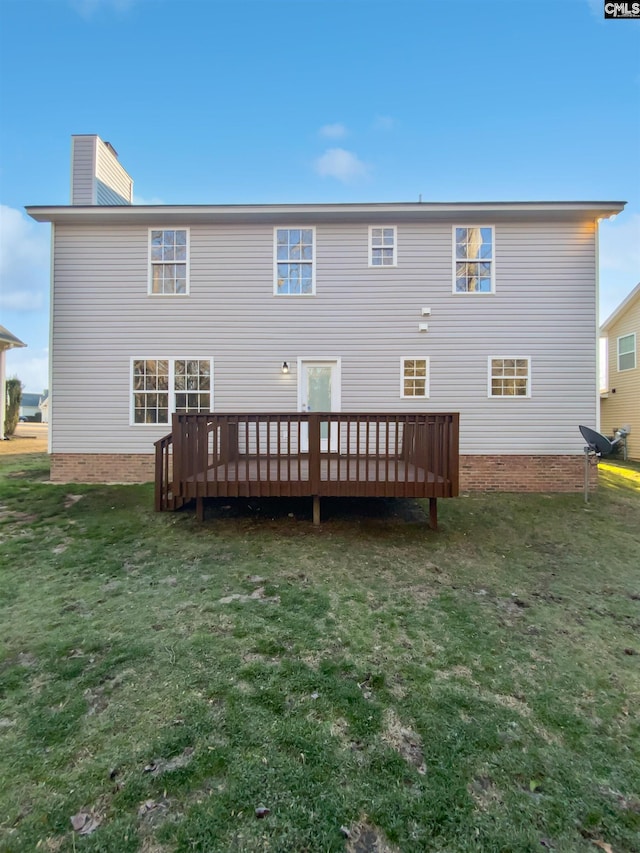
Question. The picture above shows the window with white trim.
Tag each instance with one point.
(382, 246)
(414, 377)
(473, 259)
(168, 261)
(627, 352)
(160, 386)
(509, 377)
(294, 261)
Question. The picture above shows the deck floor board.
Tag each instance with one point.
(296, 470)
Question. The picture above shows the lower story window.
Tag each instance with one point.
(161, 386)
(414, 377)
(509, 377)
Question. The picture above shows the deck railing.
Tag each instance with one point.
(307, 453)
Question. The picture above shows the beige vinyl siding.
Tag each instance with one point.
(113, 184)
(544, 308)
(83, 169)
(623, 406)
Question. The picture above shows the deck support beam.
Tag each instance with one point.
(316, 509)
(200, 509)
(433, 513)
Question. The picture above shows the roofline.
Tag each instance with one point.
(6, 337)
(622, 307)
(265, 212)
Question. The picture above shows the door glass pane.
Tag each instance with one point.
(319, 389)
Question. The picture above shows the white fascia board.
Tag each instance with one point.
(313, 213)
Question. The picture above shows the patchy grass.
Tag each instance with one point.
(366, 686)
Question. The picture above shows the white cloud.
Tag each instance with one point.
(383, 123)
(24, 262)
(333, 131)
(341, 164)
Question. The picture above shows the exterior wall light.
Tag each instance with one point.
(285, 367)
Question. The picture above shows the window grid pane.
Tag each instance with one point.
(509, 377)
(382, 247)
(627, 352)
(474, 258)
(294, 254)
(192, 384)
(152, 380)
(167, 247)
(414, 381)
(151, 396)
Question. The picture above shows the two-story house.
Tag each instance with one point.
(620, 399)
(486, 309)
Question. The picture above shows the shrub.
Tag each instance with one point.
(14, 398)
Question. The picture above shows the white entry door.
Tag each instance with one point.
(319, 391)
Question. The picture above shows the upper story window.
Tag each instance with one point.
(294, 262)
(382, 247)
(627, 352)
(160, 386)
(168, 261)
(414, 377)
(473, 260)
(509, 377)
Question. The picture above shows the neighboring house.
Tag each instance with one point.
(30, 406)
(43, 405)
(486, 309)
(620, 400)
(7, 341)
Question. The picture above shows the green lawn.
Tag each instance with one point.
(374, 685)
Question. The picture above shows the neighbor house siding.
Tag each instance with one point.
(544, 309)
(622, 406)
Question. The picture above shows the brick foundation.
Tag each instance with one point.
(525, 474)
(102, 467)
(477, 473)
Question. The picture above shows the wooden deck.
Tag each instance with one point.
(330, 454)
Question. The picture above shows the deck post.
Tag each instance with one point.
(200, 508)
(433, 513)
(316, 509)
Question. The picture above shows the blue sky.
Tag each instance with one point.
(240, 101)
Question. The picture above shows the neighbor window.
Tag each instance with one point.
(294, 261)
(414, 377)
(627, 352)
(382, 247)
(509, 377)
(161, 386)
(168, 261)
(473, 260)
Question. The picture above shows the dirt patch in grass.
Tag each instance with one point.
(366, 838)
(484, 792)
(404, 740)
